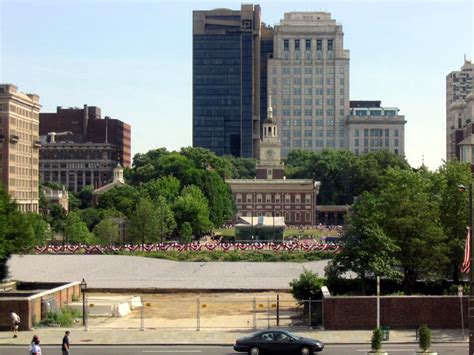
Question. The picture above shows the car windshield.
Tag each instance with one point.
(291, 335)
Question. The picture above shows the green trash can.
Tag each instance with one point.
(385, 332)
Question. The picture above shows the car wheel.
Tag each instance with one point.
(254, 351)
(305, 351)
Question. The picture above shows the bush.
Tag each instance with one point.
(308, 286)
(424, 338)
(65, 317)
(376, 341)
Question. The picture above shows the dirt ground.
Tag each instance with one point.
(206, 310)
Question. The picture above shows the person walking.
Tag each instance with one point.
(65, 346)
(15, 319)
(35, 348)
(35, 338)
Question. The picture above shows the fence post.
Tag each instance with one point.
(322, 313)
(198, 315)
(142, 318)
(278, 310)
(254, 313)
(268, 312)
(309, 316)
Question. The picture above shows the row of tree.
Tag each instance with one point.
(410, 227)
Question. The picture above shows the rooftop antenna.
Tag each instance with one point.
(422, 159)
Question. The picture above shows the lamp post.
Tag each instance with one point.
(83, 291)
(470, 307)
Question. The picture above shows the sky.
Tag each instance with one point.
(133, 59)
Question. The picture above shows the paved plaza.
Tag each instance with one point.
(132, 272)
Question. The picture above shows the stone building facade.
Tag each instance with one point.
(459, 85)
(309, 78)
(372, 128)
(79, 148)
(19, 146)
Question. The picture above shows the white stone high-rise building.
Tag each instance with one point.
(309, 79)
(459, 85)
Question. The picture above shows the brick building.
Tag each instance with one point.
(80, 148)
(271, 194)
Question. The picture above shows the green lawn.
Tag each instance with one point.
(289, 232)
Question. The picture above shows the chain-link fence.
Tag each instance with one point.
(171, 311)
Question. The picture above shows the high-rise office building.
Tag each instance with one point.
(372, 128)
(226, 80)
(80, 148)
(459, 85)
(309, 79)
(19, 145)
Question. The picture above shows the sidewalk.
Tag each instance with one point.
(53, 336)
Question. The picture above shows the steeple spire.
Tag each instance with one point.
(270, 109)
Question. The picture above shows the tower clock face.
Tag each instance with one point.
(270, 153)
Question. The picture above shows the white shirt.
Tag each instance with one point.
(15, 317)
(35, 349)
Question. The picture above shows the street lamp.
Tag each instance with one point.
(83, 291)
(470, 306)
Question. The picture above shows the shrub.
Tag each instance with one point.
(424, 338)
(308, 286)
(65, 317)
(376, 341)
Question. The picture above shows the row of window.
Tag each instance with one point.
(374, 112)
(318, 70)
(307, 81)
(374, 132)
(309, 122)
(376, 142)
(309, 133)
(286, 112)
(272, 198)
(307, 44)
(287, 215)
(316, 91)
(309, 143)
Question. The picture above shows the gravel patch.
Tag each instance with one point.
(133, 272)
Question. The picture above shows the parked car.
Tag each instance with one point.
(277, 342)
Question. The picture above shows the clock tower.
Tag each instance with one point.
(270, 165)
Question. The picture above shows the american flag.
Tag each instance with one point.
(466, 264)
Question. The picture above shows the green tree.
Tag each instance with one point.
(186, 232)
(243, 168)
(411, 219)
(143, 224)
(74, 202)
(164, 218)
(307, 286)
(192, 207)
(453, 211)
(359, 254)
(335, 169)
(107, 232)
(41, 228)
(205, 159)
(124, 199)
(76, 231)
(166, 186)
(16, 234)
(85, 196)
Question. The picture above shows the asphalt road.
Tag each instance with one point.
(446, 348)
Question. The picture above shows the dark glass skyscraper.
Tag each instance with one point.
(226, 80)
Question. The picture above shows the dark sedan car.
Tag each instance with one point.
(277, 342)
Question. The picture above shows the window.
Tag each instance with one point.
(297, 81)
(308, 133)
(287, 198)
(297, 143)
(268, 198)
(308, 44)
(356, 133)
(308, 122)
(298, 198)
(286, 101)
(330, 45)
(356, 142)
(319, 133)
(308, 102)
(308, 81)
(297, 70)
(297, 91)
(330, 112)
(286, 71)
(274, 70)
(297, 134)
(297, 101)
(259, 198)
(287, 56)
(297, 112)
(319, 112)
(277, 198)
(297, 44)
(297, 216)
(396, 133)
(396, 142)
(329, 133)
(308, 112)
(286, 112)
(319, 45)
(308, 70)
(387, 132)
(297, 123)
(286, 45)
(238, 197)
(308, 55)
(249, 198)
(308, 91)
(330, 122)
